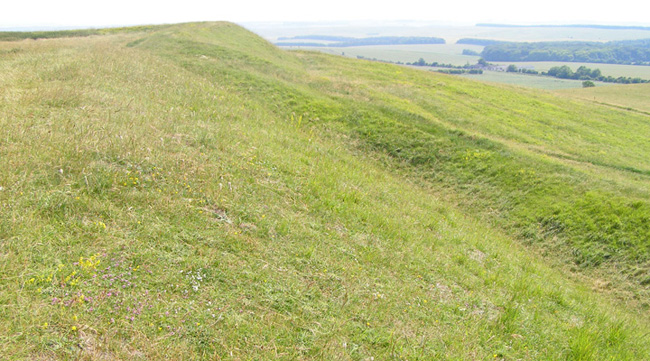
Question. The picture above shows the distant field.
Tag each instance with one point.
(451, 53)
(531, 81)
(635, 96)
(442, 53)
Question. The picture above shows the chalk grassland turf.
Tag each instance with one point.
(193, 192)
(631, 97)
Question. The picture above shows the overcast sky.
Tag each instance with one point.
(91, 13)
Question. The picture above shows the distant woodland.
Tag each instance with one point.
(634, 52)
(582, 73)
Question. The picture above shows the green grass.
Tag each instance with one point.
(18, 35)
(632, 97)
(530, 81)
(195, 193)
(35, 35)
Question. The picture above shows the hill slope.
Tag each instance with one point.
(193, 192)
(544, 168)
(630, 97)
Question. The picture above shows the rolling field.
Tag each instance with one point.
(634, 96)
(193, 192)
(442, 53)
(451, 53)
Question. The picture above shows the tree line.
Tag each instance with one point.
(582, 73)
(634, 52)
(451, 69)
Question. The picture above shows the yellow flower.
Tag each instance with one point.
(74, 328)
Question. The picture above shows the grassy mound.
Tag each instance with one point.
(193, 192)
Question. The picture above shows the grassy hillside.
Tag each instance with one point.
(634, 97)
(36, 35)
(194, 192)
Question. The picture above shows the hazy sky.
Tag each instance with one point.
(71, 13)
